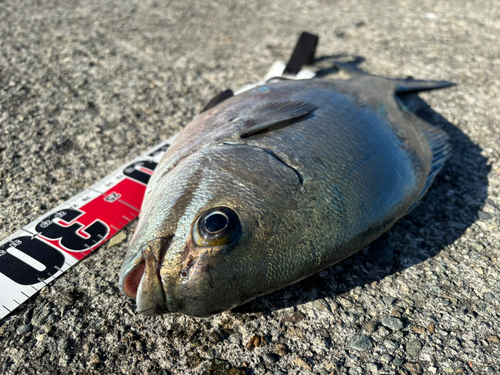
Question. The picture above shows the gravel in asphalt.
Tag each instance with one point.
(86, 86)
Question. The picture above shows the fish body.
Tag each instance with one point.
(275, 184)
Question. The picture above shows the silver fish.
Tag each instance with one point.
(268, 187)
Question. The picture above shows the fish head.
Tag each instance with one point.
(210, 232)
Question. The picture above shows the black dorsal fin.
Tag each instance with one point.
(351, 69)
(438, 141)
(275, 115)
(219, 98)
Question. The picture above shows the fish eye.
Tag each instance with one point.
(217, 226)
(215, 222)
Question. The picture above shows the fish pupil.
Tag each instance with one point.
(216, 222)
(216, 227)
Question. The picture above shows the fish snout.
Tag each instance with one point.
(144, 281)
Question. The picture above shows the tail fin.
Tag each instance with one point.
(414, 85)
(403, 85)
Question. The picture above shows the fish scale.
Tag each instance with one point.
(313, 170)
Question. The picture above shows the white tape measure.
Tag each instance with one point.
(44, 249)
(47, 247)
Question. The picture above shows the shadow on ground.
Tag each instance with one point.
(450, 207)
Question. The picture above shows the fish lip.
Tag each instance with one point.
(125, 280)
(129, 267)
(131, 281)
(151, 298)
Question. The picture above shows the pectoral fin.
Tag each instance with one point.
(276, 115)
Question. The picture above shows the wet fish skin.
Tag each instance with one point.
(308, 192)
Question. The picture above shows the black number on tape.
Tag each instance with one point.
(21, 272)
(133, 171)
(68, 236)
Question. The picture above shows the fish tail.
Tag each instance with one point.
(414, 85)
(402, 85)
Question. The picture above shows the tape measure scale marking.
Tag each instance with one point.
(44, 249)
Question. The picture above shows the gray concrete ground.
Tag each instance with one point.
(87, 85)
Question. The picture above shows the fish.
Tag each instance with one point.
(268, 187)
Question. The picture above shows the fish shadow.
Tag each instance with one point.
(451, 205)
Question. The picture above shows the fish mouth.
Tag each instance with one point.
(131, 281)
(144, 281)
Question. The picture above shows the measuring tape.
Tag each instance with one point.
(47, 247)
(44, 249)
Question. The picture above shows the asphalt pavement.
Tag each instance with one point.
(86, 86)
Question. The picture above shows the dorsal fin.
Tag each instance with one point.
(219, 98)
(351, 69)
(275, 115)
(438, 141)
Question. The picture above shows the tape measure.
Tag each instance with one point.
(47, 247)
(44, 249)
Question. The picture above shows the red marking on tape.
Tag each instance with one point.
(146, 170)
(131, 192)
(108, 212)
